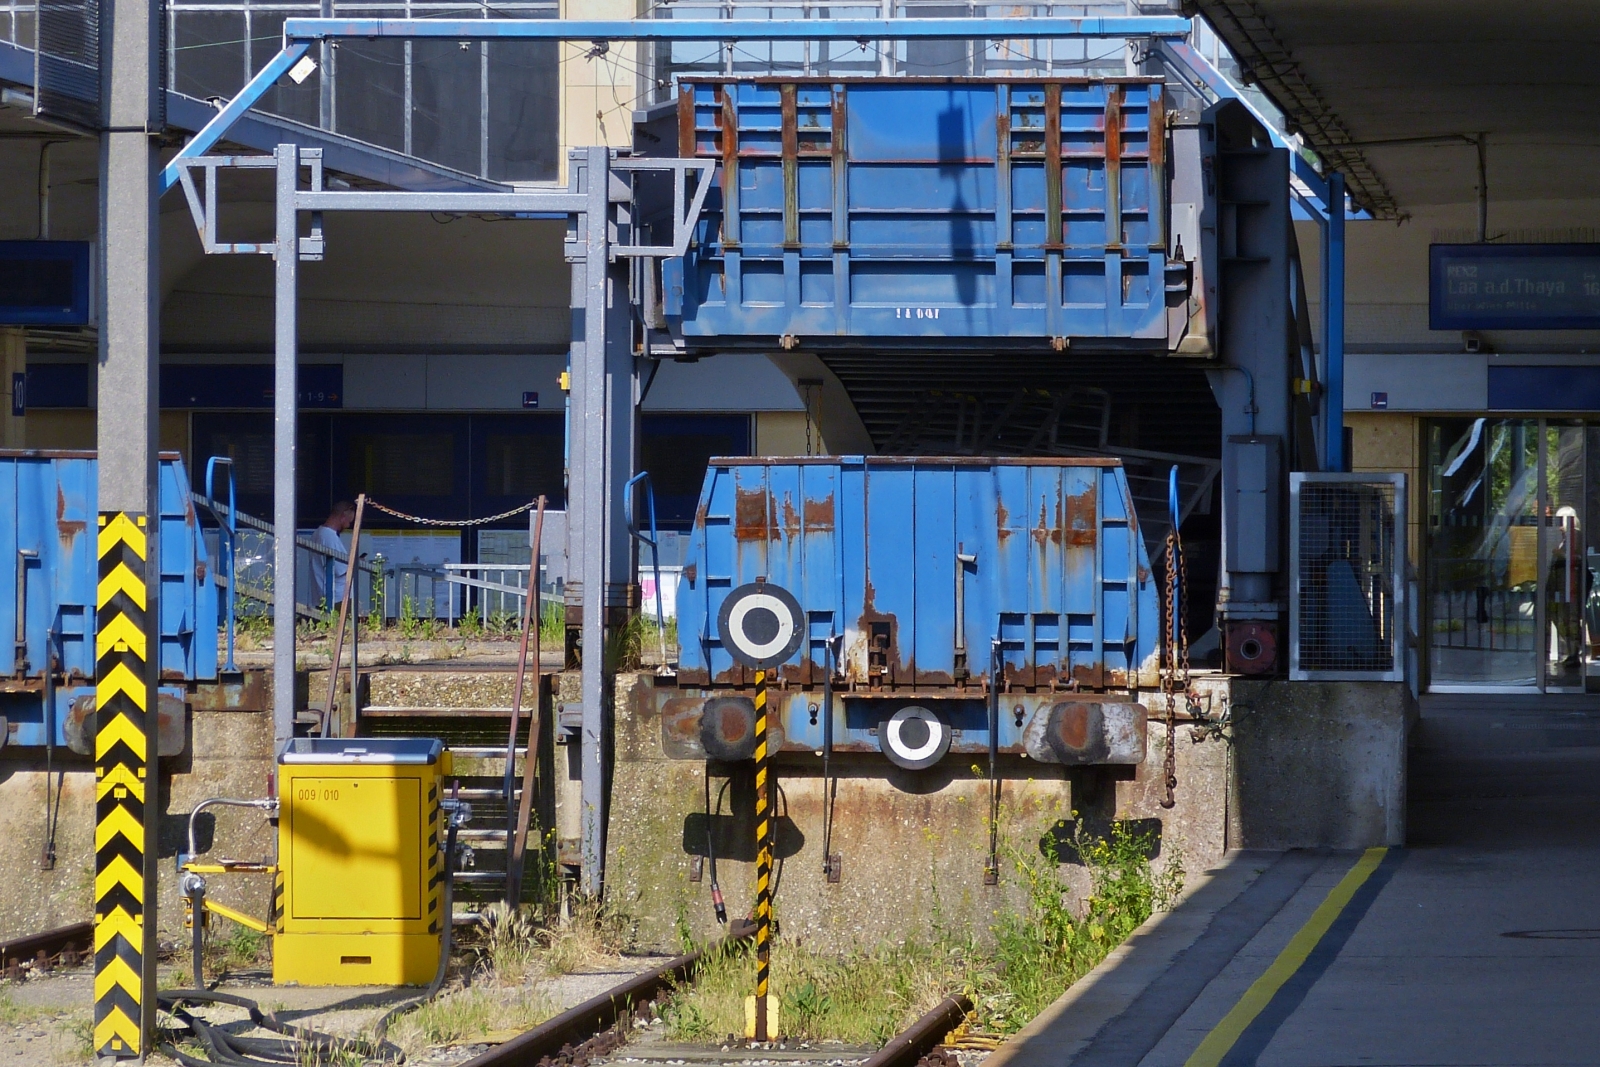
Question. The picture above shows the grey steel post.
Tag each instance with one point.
(286, 392)
(127, 438)
(588, 503)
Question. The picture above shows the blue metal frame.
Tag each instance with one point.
(1330, 215)
(654, 540)
(299, 33)
(227, 540)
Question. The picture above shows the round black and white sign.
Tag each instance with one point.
(761, 624)
(914, 738)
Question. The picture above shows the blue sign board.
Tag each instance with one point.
(44, 283)
(1514, 287)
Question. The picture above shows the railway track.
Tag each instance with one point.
(597, 1032)
(63, 947)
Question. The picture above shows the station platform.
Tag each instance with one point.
(1476, 944)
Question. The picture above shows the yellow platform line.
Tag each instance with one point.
(1223, 1036)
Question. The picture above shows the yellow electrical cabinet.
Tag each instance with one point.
(361, 861)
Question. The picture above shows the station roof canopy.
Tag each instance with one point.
(1395, 93)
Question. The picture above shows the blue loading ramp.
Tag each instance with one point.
(909, 212)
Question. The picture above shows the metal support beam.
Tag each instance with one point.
(1334, 458)
(300, 33)
(286, 393)
(127, 669)
(734, 30)
(588, 505)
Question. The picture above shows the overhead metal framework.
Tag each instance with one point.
(604, 372)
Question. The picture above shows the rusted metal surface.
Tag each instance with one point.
(172, 730)
(906, 1048)
(246, 691)
(65, 944)
(561, 1039)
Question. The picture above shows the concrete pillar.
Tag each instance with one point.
(128, 670)
(13, 362)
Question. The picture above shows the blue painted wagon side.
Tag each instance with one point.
(962, 211)
(870, 545)
(48, 525)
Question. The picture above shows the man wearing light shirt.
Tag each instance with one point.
(338, 521)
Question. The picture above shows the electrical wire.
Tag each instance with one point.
(299, 1045)
(718, 905)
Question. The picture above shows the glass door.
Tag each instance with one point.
(1483, 553)
(1563, 552)
(1513, 546)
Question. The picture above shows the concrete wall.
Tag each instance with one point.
(1303, 765)
(1319, 764)
(231, 755)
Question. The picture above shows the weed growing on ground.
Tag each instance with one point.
(463, 1015)
(553, 624)
(1029, 959)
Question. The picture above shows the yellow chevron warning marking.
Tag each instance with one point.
(121, 580)
(118, 975)
(120, 728)
(119, 821)
(120, 630)
(121, 530)
(120, 776)
(116, 1026)
(118, 921)
(119, 872)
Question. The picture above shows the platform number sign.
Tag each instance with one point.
(761, 625)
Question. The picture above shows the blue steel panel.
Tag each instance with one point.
(51, 501)
(952, 124)
(921, 223)
(872, 542)
(933, 564)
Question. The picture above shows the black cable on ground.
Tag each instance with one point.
(299, 1046)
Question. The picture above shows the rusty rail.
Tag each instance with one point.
(576, 1025)
(50, 944)
(909, 1046)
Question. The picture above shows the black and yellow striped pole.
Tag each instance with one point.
(763, 863)
(124, 783)
(761, 626)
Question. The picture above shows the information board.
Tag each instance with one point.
(1514, 287)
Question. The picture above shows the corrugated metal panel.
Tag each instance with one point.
(49, 543)
(869, 547)
(1017, 211)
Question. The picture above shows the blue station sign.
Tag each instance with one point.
(1514, 287)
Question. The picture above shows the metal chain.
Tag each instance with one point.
(1175, 658)
(419, 520)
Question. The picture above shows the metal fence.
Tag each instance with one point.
(1347, 576)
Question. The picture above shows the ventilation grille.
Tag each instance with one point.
(67, 73)
(1346, 615)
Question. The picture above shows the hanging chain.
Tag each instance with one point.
(420, 521)
(1175, 658)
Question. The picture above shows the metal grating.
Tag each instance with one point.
(67, 62)
(1347, 560)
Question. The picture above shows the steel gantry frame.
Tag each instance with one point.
(1324, 194)
(604, 373)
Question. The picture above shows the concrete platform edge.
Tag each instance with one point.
(1063, 1030)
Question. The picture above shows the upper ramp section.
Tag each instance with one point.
(916, 212)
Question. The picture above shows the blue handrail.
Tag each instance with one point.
(654, 541)
(227, 541)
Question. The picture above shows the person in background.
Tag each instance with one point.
(340, 519)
